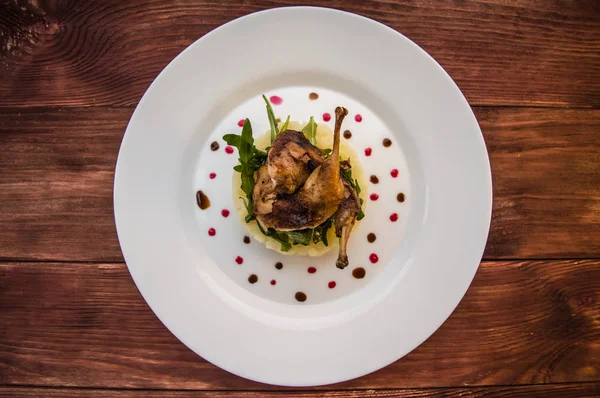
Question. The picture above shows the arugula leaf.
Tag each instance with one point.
(285, 125)
(310, 130)
(320, 232)
(302, 237)
(250, 159)
(272, 121)
(347, 174)
(233, 139)
(327, 152)
(280, 237)
(361, 214)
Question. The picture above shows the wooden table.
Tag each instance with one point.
(74, 324)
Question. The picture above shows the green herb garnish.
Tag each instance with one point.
(250, 159)
(310, 130)
(285, 125)
(347, 174)
(272, 121)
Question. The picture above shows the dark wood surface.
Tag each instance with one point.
(72, 322)
(86, 325)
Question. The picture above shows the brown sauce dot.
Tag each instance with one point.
(246, 239)
(387, 142)
(347, 134)
(359, 272)
(202, 200)
(313, 96)
(253, 278)
(278, 120)
(401, 198)
(214, 146)
(371, 237)
(278, 265)
(374, 179)
(301, 297)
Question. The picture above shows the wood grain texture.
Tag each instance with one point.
(580, 390)
(100, 52)
(57, 170)
(86, 325)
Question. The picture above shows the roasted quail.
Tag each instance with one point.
(297, 189)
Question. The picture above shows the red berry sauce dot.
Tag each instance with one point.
(273, 282)
(225, 213)
(275, 100)
(229, 149)
(239, 260)
(358, 118)
(368, 152)
(241, 123)
(373, 258)
(394, 173)
(331, 284)
(374, 196)
(326, 117)
(212, 232)
(394, 217)
(312, 270)
(212, 176)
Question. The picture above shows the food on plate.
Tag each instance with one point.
(294, 191)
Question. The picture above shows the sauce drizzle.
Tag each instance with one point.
(276, 100)
(301, 297)
(347, 134)
(371, 237)
(253, 278)
(313, 96)
(359, 272)
(214, 146)
(202, 200)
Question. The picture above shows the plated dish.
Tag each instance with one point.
(260, 249)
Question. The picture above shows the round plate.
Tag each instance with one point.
(426, 255)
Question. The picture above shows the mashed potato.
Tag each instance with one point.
(324, 140)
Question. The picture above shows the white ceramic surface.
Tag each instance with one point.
(426, 260)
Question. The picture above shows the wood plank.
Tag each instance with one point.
(86, 53)
(86, 325)
(580, 390)
(58, 168)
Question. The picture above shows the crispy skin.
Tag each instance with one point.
(297, 189)
(291, 160)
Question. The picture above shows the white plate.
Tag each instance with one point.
(427, 258)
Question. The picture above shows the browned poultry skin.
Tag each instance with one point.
(317, 200)
(291, 160)
(344, 221)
